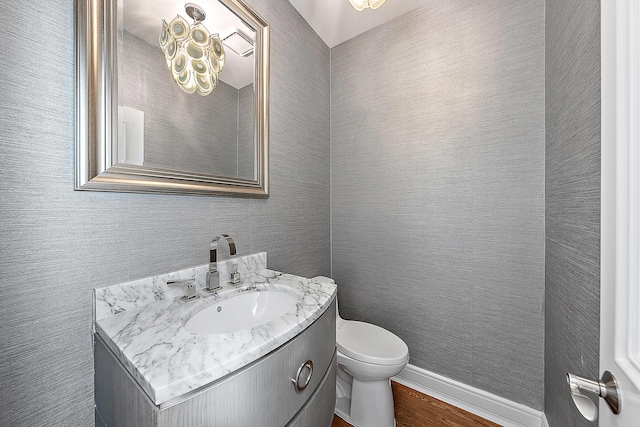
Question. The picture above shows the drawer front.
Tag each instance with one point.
(263, 393)
(318, 412)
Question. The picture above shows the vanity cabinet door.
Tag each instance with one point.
(318, 411)
(263, 394)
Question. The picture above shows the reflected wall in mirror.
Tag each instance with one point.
(138, 128)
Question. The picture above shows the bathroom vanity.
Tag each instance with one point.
(151, 371)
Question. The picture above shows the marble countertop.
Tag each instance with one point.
(167, 361)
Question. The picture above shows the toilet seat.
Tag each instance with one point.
(370, 343)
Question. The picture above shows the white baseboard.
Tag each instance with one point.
(484, 404)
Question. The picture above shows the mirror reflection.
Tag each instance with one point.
(186, 95)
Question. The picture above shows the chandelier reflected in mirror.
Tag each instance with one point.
(193, 55)
(360, 5)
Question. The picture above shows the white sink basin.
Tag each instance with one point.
(244, 311)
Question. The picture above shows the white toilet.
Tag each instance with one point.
(368, 356)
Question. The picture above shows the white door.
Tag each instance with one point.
(620, 208)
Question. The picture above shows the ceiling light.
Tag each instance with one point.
(363, 4)
(194, 57)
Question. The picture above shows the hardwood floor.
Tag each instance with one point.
(339, 422)
(414, 409)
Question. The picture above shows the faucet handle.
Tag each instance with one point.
(236, 277)
(190, 288)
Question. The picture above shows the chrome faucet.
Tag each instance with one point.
(213, 277)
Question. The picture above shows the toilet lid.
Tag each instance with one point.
(370, 343)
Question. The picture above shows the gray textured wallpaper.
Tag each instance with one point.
(56, 244)
(437, 158)
(572, 332)
(417, 148)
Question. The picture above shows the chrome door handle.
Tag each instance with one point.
(296, 382)
(607, 388)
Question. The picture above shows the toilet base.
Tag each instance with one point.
(342, 408)
(360, 412)
(346, 418)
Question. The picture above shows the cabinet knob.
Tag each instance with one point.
(308, 365)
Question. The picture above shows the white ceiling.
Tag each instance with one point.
(335, 21)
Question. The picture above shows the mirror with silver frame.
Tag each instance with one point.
(172, 97)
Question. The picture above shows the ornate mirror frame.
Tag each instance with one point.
(97, 106)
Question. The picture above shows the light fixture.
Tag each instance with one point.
(363, 4)
(194, 57)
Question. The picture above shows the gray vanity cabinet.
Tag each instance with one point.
(318, 410)
(261, 394)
